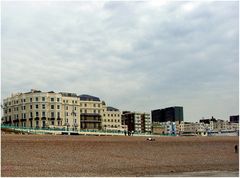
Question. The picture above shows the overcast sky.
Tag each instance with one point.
(136, 56)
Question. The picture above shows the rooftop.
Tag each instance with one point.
(85, 97)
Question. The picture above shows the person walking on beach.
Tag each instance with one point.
(236, 148)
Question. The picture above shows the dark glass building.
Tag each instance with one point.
(173, 114)
(234, 119)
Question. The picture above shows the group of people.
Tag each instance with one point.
(129, 133)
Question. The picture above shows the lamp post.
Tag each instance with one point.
(74, 115)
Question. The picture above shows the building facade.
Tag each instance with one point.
(234, 119)
(172, 114)
(112, 119)
(137, 122)
(39, 109)
(165, 128)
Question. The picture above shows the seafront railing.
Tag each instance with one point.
(46, 130)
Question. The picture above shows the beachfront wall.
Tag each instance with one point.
(39, 109)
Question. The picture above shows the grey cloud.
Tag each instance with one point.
(134, 55)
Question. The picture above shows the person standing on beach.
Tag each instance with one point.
(236, 148)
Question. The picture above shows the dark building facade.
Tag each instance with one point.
(234, 119)
(173, 114)
(207, 121)
(137, 122)
(128, 119)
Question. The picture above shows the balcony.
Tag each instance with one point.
(92, 121)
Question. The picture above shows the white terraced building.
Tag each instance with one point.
(37, 109)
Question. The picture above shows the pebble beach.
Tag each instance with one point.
(66, 156)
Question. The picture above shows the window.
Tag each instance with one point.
(36, 98)
(67, 101)
(52, 99)
(9, 110)
(36, 114)
(85, 111)
(75, 121)
(66, 113)
(98, 105)
(94, 105)
(52, 106)
(76, 102)
(72, 101)
(66, 107)
(58, 123)
(103, 114)
(43, 98)
(52, 122)
(58, 99)
(58, 106)
(30, 99)
(24, 107)
(37, 123)
(31, 115)
(58, 114)
(43, 114)
(80, 111)
(64, 101)
(67, 120)
(24, 115)
(30, 106)
(17, 108)
(94, 111)
(85, 104)
(43, 106)
(75, 108)
(36, 106)
(52, 114)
